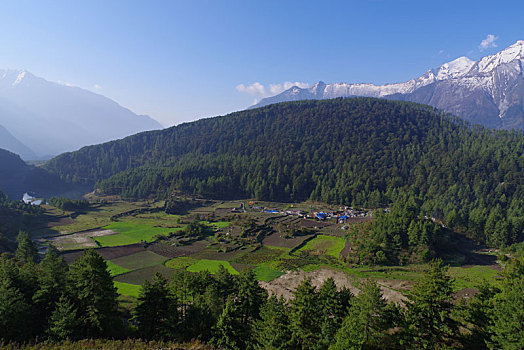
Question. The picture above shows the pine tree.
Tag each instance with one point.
(477, 315)
(508, 310)
(26, 252)
(251, 296)
(63, 323)
(304, 316)
(367, 321)
(333, 311)
(91, 289)
(155, 312)
(51, 284)
(14, 313)
(429, 320)
(229, 331)
(272, 331)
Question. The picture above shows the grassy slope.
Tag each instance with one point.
(325, 245)
(140, 260)
(211, 266)
(130, 233)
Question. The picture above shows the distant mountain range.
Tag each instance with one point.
(489, 92)
(40, 118)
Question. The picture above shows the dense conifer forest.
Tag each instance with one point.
(359, 151)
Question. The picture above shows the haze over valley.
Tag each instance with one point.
(40, 119)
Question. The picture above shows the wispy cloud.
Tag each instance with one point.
(260, 91)
(488, 42)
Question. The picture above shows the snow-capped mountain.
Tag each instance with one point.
(52, 118)
(488, 92)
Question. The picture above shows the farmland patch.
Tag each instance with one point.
(211, 266)
(325, 245)
(139, 260)
(277, 241)
(130, 233)
(138, 277)
(127, 289)
(266, 274)
(182, 262)
(261, 256)
(170, 251)
(115, 269)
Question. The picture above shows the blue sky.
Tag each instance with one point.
(183, 60)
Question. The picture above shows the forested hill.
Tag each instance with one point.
(358, 151)
(12, 172)
(17, 177)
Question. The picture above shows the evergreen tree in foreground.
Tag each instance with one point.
(26, 252)
(367, 321)
(272, 330)
(229, 331)
(63, 323)
(508, 310)
(155, 312)
(91, 289)
(51, 285)
(305, 316)
(429, 322)
(14, 312)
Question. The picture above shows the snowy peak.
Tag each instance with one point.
(11, 77)
(488, 92)
(454, 69)
(508, 55)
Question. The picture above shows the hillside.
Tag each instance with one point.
(13, 171)
(17, 178)
(52, 118)
(488, 92)
(359, 152)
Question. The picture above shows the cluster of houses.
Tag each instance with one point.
(341, 215)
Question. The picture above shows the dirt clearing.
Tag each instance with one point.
(286, 284)
(79, 240)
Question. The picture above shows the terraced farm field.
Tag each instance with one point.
(211, 266)
(325, 245)
(130, 233)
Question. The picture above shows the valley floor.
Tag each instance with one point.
(282, 243)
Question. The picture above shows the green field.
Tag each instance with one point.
(219, 224)
(325, 245)
(140, 260)
(471, 277)
(139, 276)
(131, 232)
(115, 269)
(211, 266)
(182, 262)
(97, 216)
(266, 274)
(261, 256)
(407, 273)
(127, 289)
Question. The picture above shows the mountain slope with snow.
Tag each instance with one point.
(51, 118)
(488, 92)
